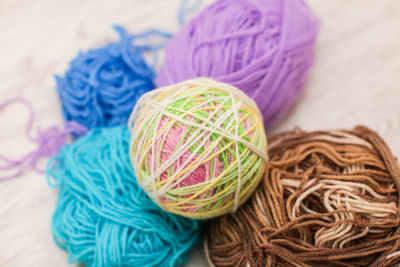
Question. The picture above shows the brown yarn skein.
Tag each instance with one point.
(328, 198)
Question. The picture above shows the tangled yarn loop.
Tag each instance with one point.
(198, 147)
(102, 217)
(329, 198)
(263, 47)
(49, 142)
(102, 85)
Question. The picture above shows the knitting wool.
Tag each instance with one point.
(328, 198)
(102, 85)
(198, 148)
(263, 47)
(102, 217)
(48, 141)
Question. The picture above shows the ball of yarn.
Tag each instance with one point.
(103, 218)
(263, 47)
(329, 198)
(198, 148)
(102, 85)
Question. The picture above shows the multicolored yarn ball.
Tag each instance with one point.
(329, 198)
(263, 47)
(103, 218)
(198, 148)
(102, 85)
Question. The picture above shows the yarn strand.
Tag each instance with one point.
(264, 48)
(198, 147)
(102, 85)
(328, 198)
(185, 9)
(103, 218)
(49, 142)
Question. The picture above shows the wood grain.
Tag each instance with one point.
(355, 81)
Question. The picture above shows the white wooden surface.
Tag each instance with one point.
(356, 80)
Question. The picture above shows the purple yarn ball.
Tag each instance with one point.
(264, 47)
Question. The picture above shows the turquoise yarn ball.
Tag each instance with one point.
(102, 217)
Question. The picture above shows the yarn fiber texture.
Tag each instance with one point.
(49, 142)
(198, 148)
(103, 218)
(263, 47)
(103, 84)
(329, 198)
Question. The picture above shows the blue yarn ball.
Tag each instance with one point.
(102, 217)
(102, 85)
